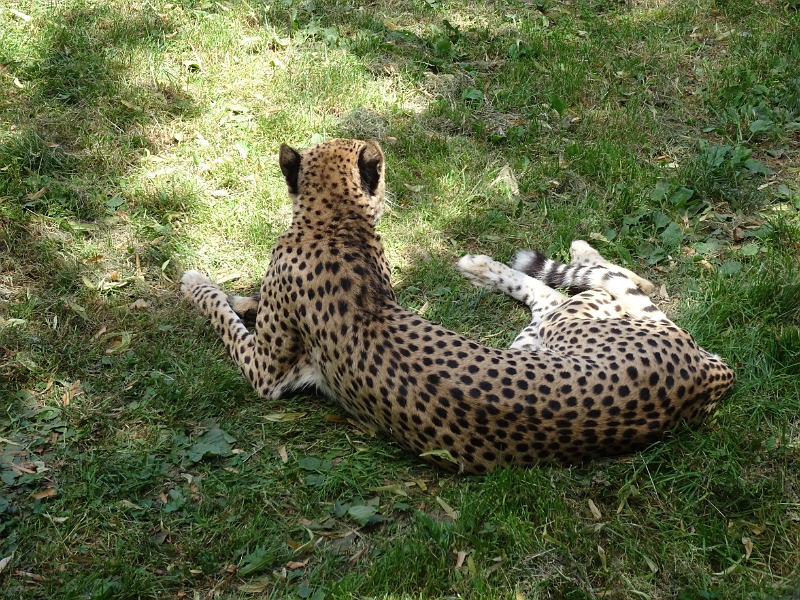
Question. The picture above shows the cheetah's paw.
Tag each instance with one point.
(477, 269)
(192, 279)
(582, 254)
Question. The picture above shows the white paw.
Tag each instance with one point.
(646, 286)
(191, 279)
(476, 268)
(582, 254)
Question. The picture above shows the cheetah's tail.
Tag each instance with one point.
(553, 273)
(246, 307)
(588, 270)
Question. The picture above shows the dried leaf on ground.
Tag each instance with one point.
(255, 587)
(445, 454)
(506, 177)
(37, 195)
(71, 393)
(335, 418)
(20, 14)
(595, 511)
(45, 493)
(284, 417)
(748, 547)
(297, 564)
(460, 559)
(139, 305)
(395, 489)
(284, 456)
(118, 345)
(78, 310)
(57, 520)
(602, 554)
(454, 514)
(361, 427)
(651, 565)
(757, 529)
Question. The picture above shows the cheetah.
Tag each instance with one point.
(598, 374)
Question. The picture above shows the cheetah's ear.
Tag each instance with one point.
(289, 159)
(370, 165)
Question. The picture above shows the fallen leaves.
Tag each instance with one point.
(56, 520)
(507, 179)
(748, 547)
(445, 454)
(595, 511)
(72, 392)
(45, 493)
(284, 417)
(395, 489)
(120, 342)
(297, 564)
(361, 514)
(139, 305)
(452, 513)
(361, 427)
(132, 506)
(756, 529)
(255, 587)
(258, 560)
(37, 195)
(77, 309)
(602, 554)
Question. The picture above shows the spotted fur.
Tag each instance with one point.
(584, 380)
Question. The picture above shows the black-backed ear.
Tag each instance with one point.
(289, 159)
(370, 165)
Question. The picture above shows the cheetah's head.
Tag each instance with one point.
(320, 178)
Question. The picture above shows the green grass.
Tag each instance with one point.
(140, 139)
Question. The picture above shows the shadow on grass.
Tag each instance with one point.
(80, 123)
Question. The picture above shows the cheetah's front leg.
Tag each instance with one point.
(269, 374)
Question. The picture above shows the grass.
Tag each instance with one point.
(140, 139)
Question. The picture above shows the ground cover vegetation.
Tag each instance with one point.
(138, 139)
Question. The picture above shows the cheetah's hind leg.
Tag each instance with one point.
(583, 255)
(483, 271)
(560, 275)
(592, 272)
